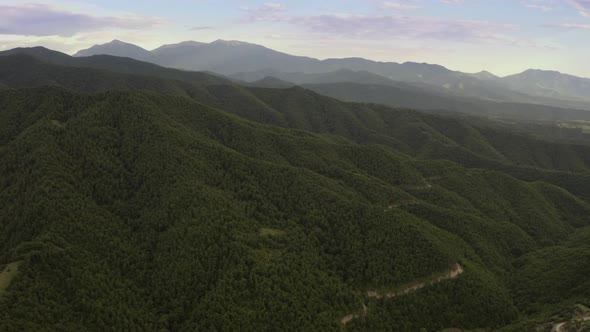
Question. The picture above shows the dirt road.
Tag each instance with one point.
(453, 273)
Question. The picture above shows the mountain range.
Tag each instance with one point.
(251, 62)
(140, 197)
(343, 84)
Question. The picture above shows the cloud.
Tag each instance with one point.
(33, 19)
(270, 11)
(198, 28)
(572, 26)
(386, 27)
(396, 5)
(543, 8)
(583, 6)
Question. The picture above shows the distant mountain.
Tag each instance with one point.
(171, 48)
(484, 75)
(251, 62)
(118, 48)
(231, 57)
(338, 76)
(227, 57)
(41, 53)
(415, 98)
(117, 64)
(549, 84)
(270, 82)
(355, 86)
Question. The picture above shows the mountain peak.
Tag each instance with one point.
(117, 42)
(484, 75)
(117, 48)
(533, 70)
(187, 43)
(229, 42)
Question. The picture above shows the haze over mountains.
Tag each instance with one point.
(344, 84)
(250, 62)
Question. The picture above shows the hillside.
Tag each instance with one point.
(410, 132)
(192, 218)
(176, 205)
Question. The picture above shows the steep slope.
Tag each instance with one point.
(135, 210)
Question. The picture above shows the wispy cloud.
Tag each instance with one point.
(583, 6)
(572, 26)
(396, 5)
(384, 27)
(33, 19)
(540, 7)
(198, 28)
(270, 11)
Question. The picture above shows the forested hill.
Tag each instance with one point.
(411, 132)
(142, 203)
(115, 64)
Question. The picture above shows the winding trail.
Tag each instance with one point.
(453, 273)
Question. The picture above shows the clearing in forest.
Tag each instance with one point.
(7, 275)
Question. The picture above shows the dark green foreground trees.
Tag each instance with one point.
(133, 210)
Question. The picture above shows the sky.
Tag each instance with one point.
(502, 36)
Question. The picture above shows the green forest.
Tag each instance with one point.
(140, 198)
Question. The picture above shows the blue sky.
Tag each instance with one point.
(502, 36)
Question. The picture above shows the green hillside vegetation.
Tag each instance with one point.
(408, 131)
(116, 64)
(143, 203)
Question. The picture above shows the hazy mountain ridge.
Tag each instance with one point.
(245, 59)
(392, 93)
(549, 84)
(118, 48)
